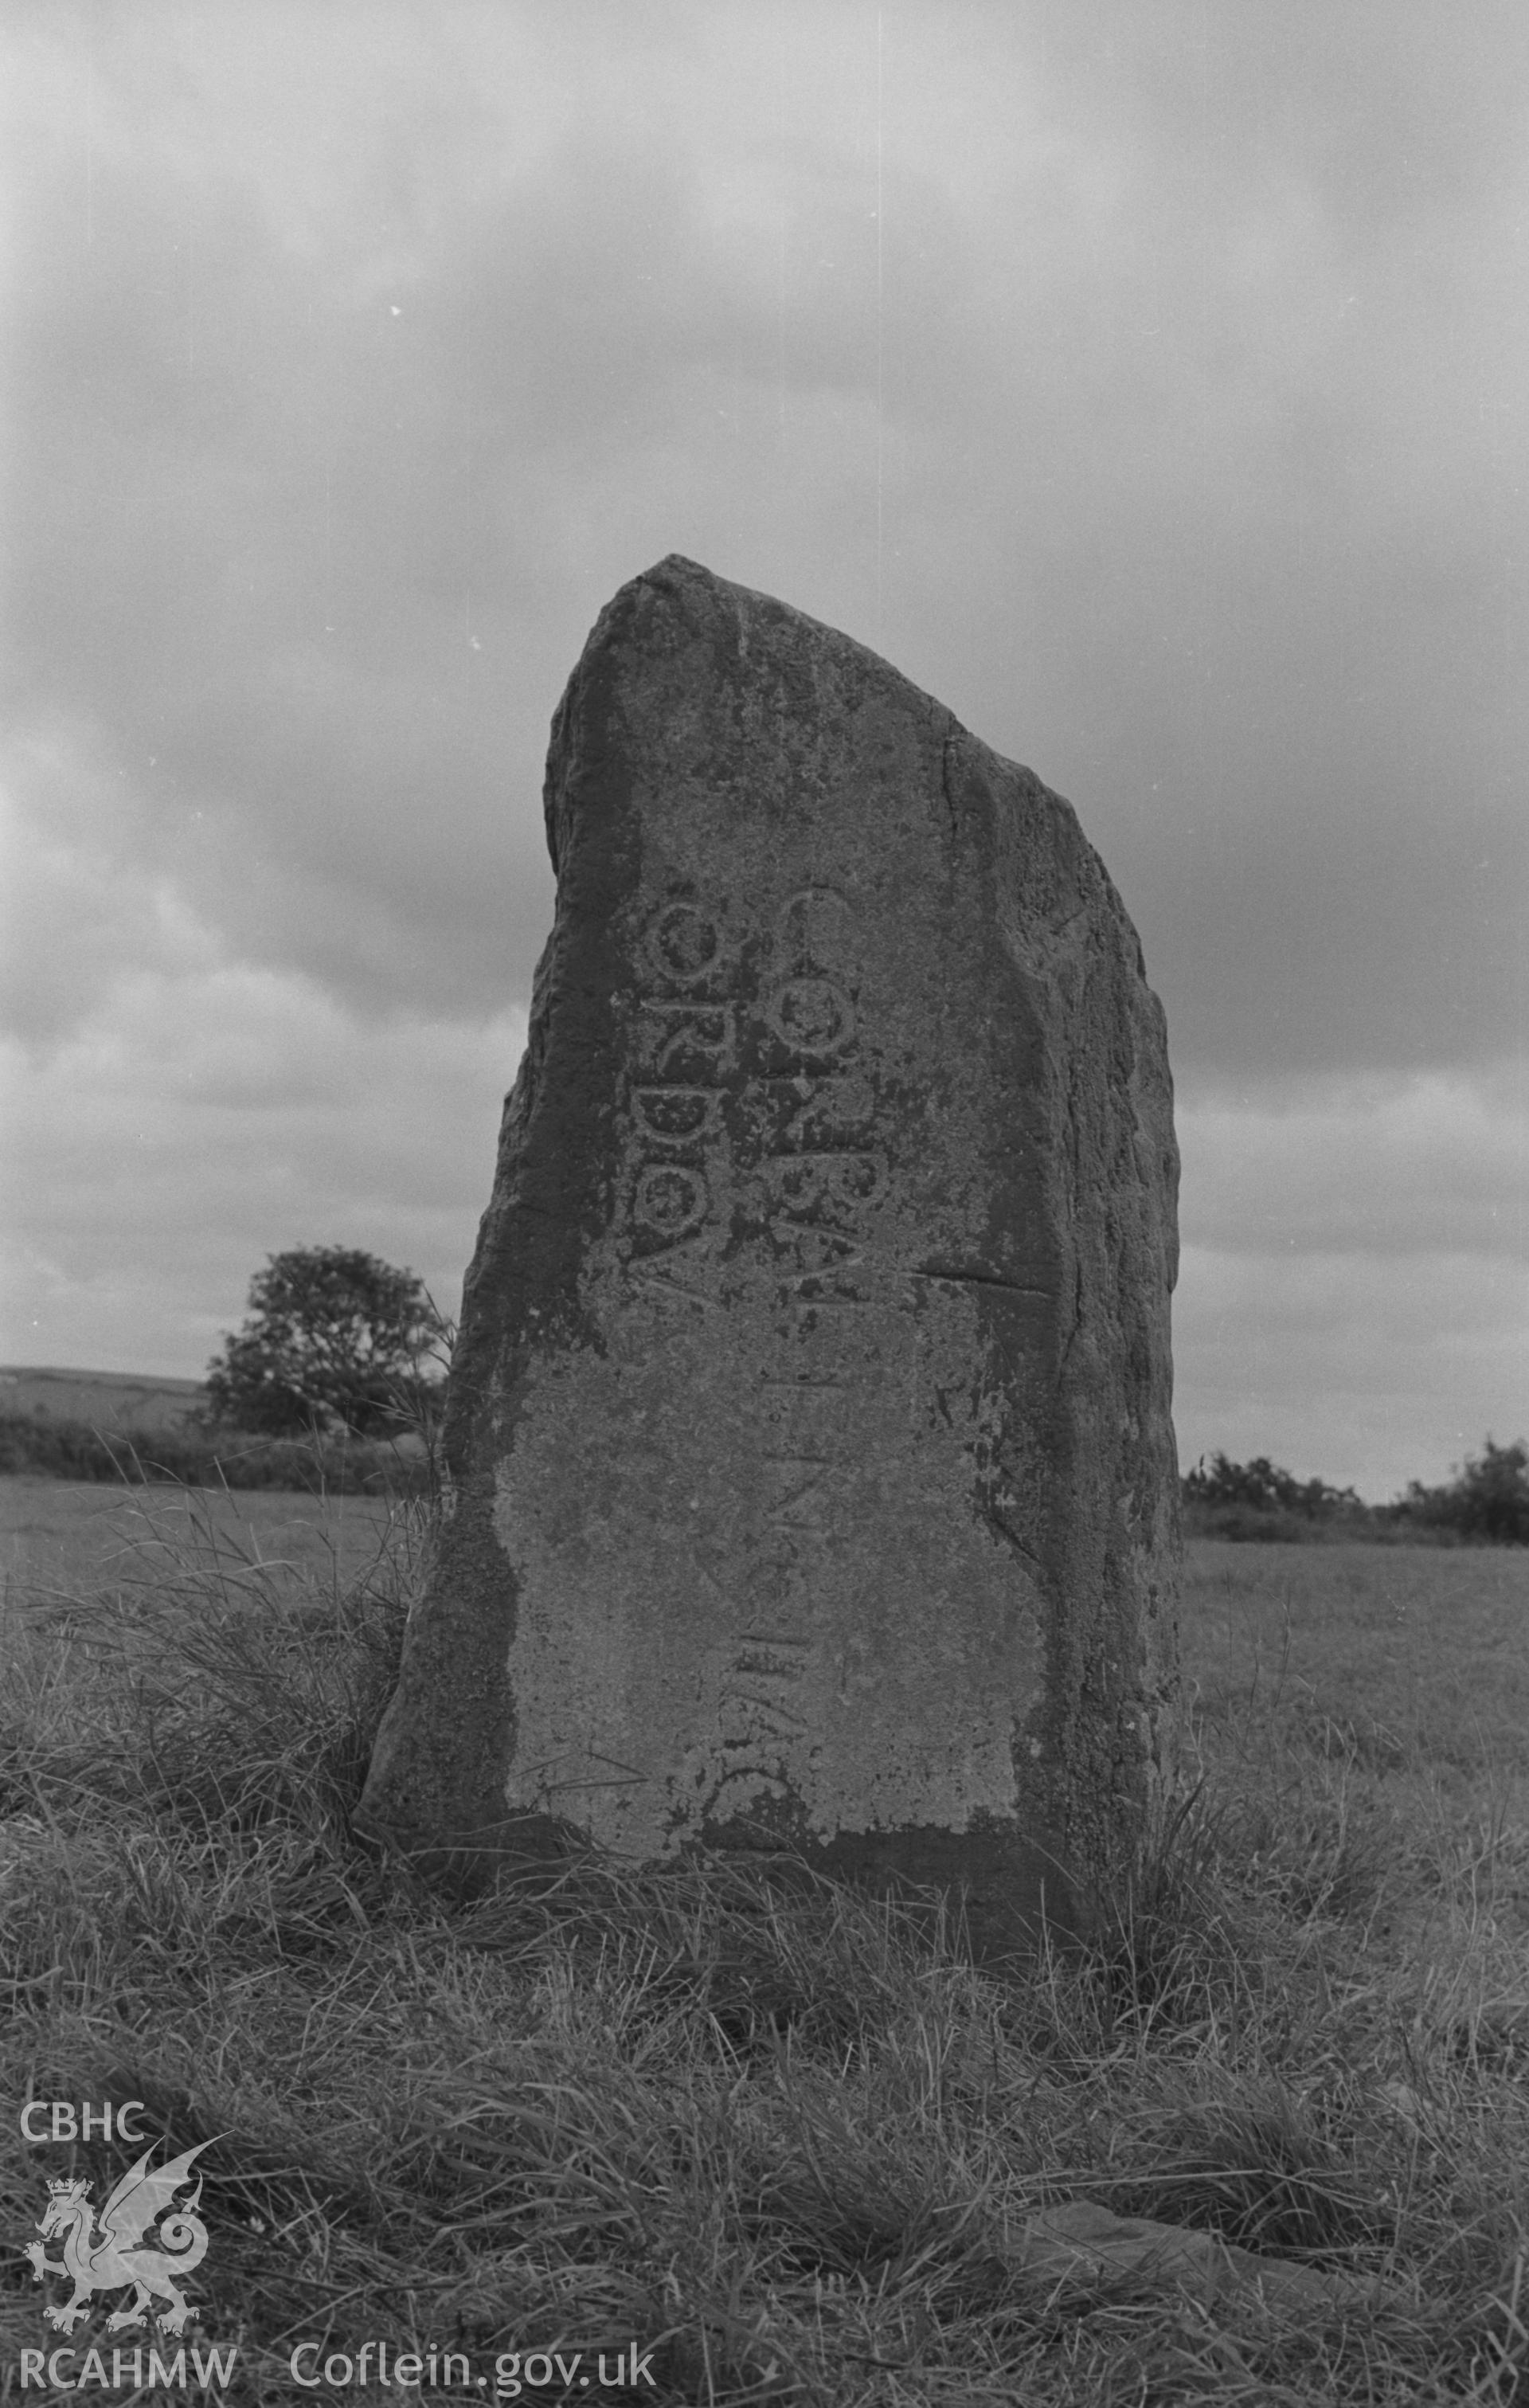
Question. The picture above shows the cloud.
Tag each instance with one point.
(80, 909)
(1364, 1373)
(1142, 382)
(1376, 1168)
(328, 470)
(238, 1112)
(237, 615)
(1354, 1297)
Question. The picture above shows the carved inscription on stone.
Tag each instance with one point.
(686, 1050)
(761, 1719)
(795, 1047)
(750, 1149)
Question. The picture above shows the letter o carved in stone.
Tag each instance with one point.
(670, 1200)
(812, 1016)
(684, 943)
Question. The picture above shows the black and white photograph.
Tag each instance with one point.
(764, 1106)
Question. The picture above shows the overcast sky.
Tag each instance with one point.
(1149, 381)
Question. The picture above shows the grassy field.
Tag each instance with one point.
(784, 2142)
(87, 1536)
(1407, 1666)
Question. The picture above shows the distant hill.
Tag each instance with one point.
(106, 1400)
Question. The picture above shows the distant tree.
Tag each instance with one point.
(1487, 1500)
(1264, 1487)
(333, 1336)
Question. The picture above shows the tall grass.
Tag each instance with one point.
(785, 2139)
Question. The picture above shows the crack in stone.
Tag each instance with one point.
(1011, 1539)
(976, 1279)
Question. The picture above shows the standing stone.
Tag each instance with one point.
(812, 1478)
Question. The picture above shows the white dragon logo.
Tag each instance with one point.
(112, 2258)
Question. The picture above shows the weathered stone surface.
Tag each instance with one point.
(813, 1471)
